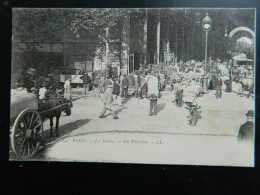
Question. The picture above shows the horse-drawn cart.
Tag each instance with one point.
(26, 123)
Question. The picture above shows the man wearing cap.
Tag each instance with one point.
(246, 131)
(86, 81)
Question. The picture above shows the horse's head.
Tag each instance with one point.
(67, 107)
(67, 110)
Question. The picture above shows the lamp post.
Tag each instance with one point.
(206, 25)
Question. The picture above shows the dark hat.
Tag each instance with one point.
(250, 113)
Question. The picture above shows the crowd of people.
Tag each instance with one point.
(146, 83)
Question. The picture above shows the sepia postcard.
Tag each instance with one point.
(145, 85)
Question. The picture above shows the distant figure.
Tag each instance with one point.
(67, 90)
(86, 82)
(152, 93)
(142, 87)
(218, 86)
(246, 131)
(125, 84)
(27, 80)
(43, 90)
(137, 84)
(116, 92)
(179, 92)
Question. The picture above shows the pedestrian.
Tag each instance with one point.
(173, 88)
(152, 93)
(28, 80)
(86, 82)
(158, 77)
(107, 82)
(108, 99)
(142, 87)
(137, 84)
(218, 86)
(116, 92)
(179, 92)
(246, 131)
(67, 90)
(125, 84)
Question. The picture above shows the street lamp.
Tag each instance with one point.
(206, 25)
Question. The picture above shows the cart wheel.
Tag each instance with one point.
(27, 133)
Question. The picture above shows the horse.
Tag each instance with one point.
(53, 100)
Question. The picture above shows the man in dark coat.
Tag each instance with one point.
(218, 86)
(125, 83)
(246, 131)
(86, 82)
(116, 92)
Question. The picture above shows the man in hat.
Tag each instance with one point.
(108, 99)
(246, 131)
(179, 92)
(218, 85)
(86, 81)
